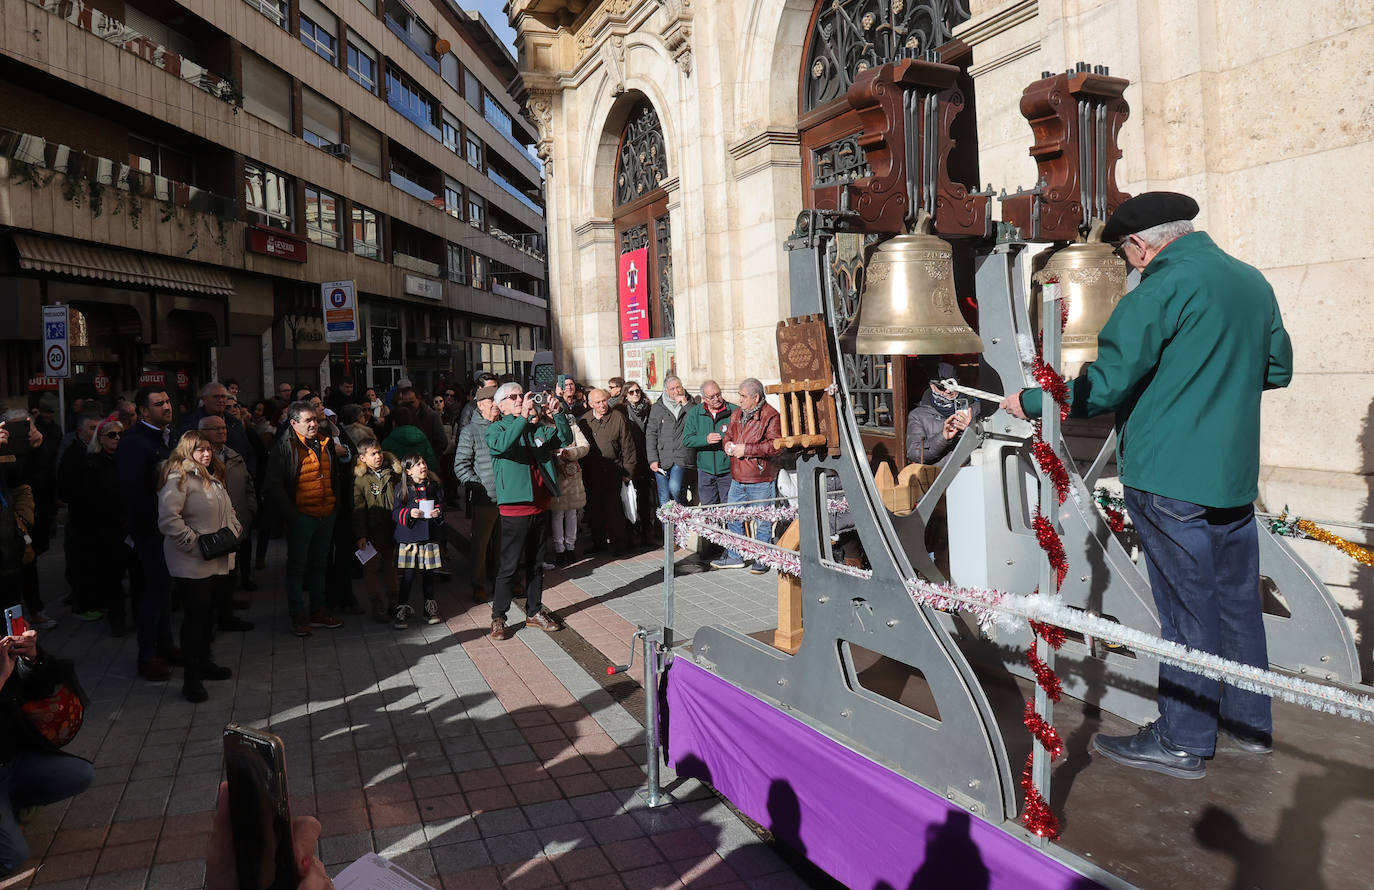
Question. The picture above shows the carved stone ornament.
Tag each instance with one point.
(613, 60)
(677, 32)
(540, 107)
(610, 10)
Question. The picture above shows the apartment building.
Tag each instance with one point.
(185, 175)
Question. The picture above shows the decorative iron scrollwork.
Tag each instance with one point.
(839, 162)
(866, 376)
(643, 162)
(634, 238)
(663, 246)
(852, 36)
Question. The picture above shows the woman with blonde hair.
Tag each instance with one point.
(193, 502)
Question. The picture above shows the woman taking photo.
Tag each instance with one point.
(193, 501)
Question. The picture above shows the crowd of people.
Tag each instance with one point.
(357, 484)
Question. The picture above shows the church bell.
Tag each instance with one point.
(1092, 280)
(909, 306)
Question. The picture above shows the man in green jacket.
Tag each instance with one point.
(1182, 361)
(523, 444)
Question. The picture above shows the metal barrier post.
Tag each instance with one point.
(668, 569)
(653, 795)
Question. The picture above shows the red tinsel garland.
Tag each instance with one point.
(1044, 733)
(1044, 674)
(1049, 542)
(1051, 466)
(1052, 383)
(1038, 818)
(1115, 521)
(1050, 633)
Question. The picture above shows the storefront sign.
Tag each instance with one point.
(152, 378)
(183, 380)
(634, 288)
(419, 286)
(42, 384)
(275, 243)
(56, 358)
(101, 383)
(386, 347)
(649, 361)
(340, 312)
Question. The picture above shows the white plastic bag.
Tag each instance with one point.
(630, 501)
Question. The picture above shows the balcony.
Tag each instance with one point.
(426, 54)
(514, 192)
(521, 244)
(416, 115)
(111, 30)
(501, 124)
(411, 187)
(514, 294)
(414, 264)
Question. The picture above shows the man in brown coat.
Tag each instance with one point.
(606, 469)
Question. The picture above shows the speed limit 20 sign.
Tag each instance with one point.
(56, 356)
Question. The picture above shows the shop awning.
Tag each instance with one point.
(89, 261)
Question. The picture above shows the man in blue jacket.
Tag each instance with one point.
(1182, 361)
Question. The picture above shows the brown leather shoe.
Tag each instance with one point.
(154, 669)
(499, 631)
(545, 620)
(321, 618)
(479, 595)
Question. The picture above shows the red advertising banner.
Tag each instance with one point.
(634, 295)
(273, 242)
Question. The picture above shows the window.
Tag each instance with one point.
(320, 119)
(267, 195)
(369, 5)
(477, 211)
(317, 37)
(453, 198)
(473, 151)
(321, 217)
(266, 91)
(276, 10)
(457, 264)
(479, 271)
(362, 64)
(365, 147)
(496, 115)
(448, 69)
(404, 95)
(472, 89)
(367, 233)
(159, 160)
(411, 30)
(451, 132)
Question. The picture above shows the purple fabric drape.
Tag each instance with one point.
(862, 823)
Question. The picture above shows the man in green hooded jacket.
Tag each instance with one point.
(1183, 361)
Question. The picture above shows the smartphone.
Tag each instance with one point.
(255, 765)
(961, 406)
(14, 621)
(19, 436)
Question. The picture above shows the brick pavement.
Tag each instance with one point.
(471, 763)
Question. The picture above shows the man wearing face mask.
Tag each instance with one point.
(933, 425)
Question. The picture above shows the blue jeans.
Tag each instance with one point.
(34, 778)
(669, 484)
(1204, 572)
(752, 491)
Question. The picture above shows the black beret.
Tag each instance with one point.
(1146, 211)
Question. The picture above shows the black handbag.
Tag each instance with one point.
(217, 544)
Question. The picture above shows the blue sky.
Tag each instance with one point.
(492, 11)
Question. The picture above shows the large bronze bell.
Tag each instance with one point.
(908, 305)
(1092, 280)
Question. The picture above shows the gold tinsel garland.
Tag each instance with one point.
(1350, 549)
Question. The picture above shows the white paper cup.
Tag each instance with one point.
(427, 508)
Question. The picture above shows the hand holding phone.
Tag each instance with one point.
(15, 624)
(260, 818)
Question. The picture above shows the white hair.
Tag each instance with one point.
(1156, 237)
(505, 390)
(750, 386)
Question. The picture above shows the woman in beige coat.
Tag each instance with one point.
(193, 501)
(572, 497)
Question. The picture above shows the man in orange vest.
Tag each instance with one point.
(305, 476)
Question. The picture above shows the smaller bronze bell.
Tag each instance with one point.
(908, 306)
(1092, 280)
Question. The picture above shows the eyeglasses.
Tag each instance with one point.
(515, 395)
(633, 392)
(113, 435)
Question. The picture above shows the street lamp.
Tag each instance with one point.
(505, 341)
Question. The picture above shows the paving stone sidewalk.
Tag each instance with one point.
(471, 763)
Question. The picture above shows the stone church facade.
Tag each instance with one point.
(1259, 109)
